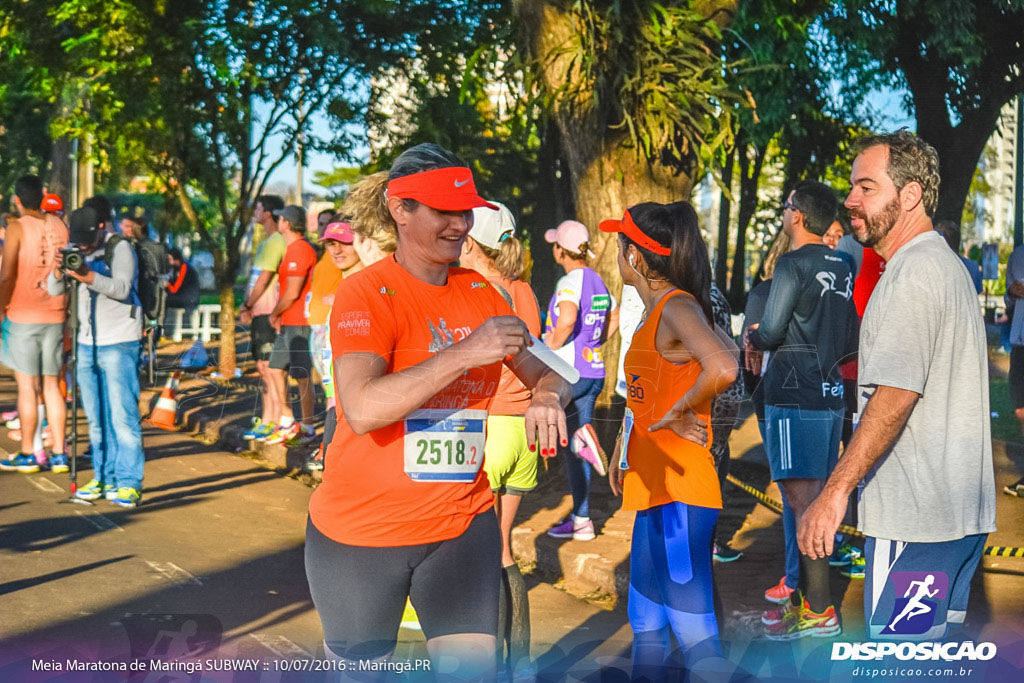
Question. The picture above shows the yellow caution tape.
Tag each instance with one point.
(993, 550)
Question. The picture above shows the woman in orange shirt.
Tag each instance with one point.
(665, 471)
(404, 509)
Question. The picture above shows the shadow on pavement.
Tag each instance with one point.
(12, 586)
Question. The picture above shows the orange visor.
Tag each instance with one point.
(444, 189)
(631, 230)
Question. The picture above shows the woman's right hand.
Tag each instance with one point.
(498, 338)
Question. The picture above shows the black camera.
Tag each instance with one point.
(74, 258)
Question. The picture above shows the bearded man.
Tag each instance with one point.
(923, 445)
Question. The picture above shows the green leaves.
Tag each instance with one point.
(652, 71)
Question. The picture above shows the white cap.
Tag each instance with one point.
(490, 228)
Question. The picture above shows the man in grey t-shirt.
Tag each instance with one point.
(923, 446)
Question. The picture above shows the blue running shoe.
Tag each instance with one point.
(59, 463)
(855, 570)
(844, 555)
(126, 497)
(94, 490)
(22, 462)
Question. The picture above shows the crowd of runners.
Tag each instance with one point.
(865, 355)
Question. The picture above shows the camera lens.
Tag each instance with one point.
(73, 259)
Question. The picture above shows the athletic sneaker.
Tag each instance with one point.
(259, 429)
(779, 594)
(315, 462)
(798, 623)
(844, 555)
(570, 528)
(23, 462)
(94, 490)
(855, 570)
(8, 415)
(59, 463)
(282, 434)
(587, 447)
(724, 553)
(774, 615)
(126, 497)
(305, 437)
(1015, 489)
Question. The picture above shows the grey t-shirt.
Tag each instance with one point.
(923, 331)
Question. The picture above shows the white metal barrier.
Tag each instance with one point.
(200, 323)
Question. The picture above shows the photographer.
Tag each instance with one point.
(108, 355)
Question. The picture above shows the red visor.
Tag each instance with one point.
(631, 230)
(444, 189)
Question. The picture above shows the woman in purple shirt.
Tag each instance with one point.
(582, 315)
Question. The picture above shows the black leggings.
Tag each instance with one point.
(360, 592)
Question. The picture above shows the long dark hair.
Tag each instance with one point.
(687, 265)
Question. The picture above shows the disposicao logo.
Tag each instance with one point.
(927, 651)
(914, 612)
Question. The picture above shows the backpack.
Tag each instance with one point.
(153, 266)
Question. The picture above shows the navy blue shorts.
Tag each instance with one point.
(912, 591)
(802, 444)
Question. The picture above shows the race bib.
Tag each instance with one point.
(445, 446)
(627, 429)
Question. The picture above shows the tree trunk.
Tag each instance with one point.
(724, 214)
(750, 179)
(554, 204)
(607, 176)
(959, 152)
(226, 365)
(61, 175)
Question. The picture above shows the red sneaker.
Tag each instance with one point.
(779, 594)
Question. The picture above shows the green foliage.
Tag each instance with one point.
(337, 181)
(652, 70)
(463, 91)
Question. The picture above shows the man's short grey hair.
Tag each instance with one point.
(911, 160)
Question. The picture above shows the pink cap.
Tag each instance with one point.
(571, 236)
(339, 232)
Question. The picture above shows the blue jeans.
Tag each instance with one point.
(579, 412)
(108, 377)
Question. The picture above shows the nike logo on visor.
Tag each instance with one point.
(458, 184)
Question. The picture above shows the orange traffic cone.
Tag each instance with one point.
(165, 413)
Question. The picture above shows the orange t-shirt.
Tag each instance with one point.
(663, 468)
(41, 239)
(513, 397)
(325, 280)
(378, 488)
(299, 259)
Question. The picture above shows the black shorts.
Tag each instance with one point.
(360, 592)
(291, 351)
(262, 336)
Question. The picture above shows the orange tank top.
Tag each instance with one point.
(41, 239)
(663, 468)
